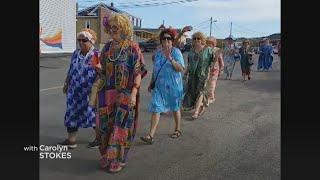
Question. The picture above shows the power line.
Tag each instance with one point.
(138, 2)
(247, 32)
(197, 25)
(155, 4)
(141, 4)
(242, 27)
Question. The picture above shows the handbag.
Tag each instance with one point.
(250, 60)
(153, 83)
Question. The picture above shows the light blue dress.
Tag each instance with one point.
(168, 92)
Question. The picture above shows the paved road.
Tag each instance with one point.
(238, 138)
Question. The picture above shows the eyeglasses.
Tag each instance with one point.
(83, 40)
(166, 38)
(196, 38)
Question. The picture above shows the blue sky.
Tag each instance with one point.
(250, 18)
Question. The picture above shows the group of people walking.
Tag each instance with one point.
(102, 88)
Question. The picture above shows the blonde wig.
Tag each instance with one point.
(199, 35)
(122, 22)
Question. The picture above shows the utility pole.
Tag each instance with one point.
(231, 29)
(211, 25)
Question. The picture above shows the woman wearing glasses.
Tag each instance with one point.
(197, 74)
(166, 84)
(122, 68)
(79, 81)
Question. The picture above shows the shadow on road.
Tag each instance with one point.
(266, 85)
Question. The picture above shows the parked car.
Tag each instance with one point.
(149, 45)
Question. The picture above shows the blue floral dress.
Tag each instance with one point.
(82, 75)
(265, 57)
(168, 92)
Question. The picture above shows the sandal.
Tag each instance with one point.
(201, 111)
(176, 134)
(115, 170)
(196, 115)
(122, 164)
(148, 139)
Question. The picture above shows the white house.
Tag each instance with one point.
(57, 26)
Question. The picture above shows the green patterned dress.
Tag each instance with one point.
(197, 77)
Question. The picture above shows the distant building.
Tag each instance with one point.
(92, 17)
(57, 26)
(142, 34)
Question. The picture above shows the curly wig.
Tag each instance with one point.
(199, 35)
(120, 20)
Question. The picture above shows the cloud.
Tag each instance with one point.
(237, 10)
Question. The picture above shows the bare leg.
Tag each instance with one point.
(154, 123)
(198, 106)
(72, 136)
(177, 119)
(213, 88)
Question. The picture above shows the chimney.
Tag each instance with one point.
(111, 4)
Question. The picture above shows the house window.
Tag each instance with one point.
(137, 22)
(87, 24)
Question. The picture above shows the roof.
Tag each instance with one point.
(162, 26)
(93, 10)
(152, 30)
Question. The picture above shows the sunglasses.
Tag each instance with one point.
(166, 38)
(83, 40)
(196, 38)
(114, 28)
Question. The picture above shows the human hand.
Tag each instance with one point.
(65, 88)
(167, 53)
(187, 28)
(133, 100)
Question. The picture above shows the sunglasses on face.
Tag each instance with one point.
(114, 28)
(83, 40)
(166, 38)
(196, 38)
